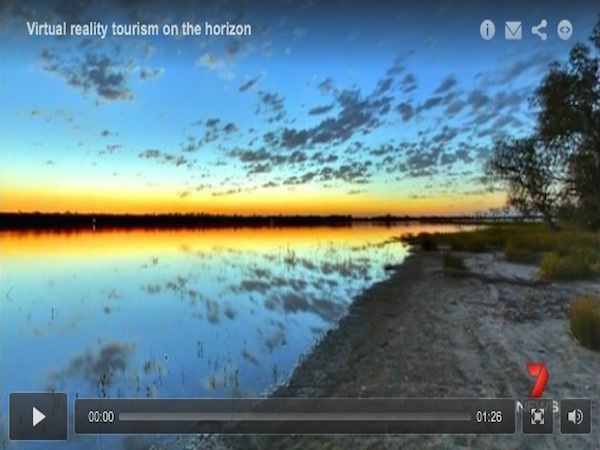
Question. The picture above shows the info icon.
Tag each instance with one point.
(487, 29)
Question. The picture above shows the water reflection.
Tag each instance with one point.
(209, 313)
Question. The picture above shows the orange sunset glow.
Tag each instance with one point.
(296, 203)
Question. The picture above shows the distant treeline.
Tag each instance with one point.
(70, 221)
(65, 221)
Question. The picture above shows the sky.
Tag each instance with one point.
(362, 108)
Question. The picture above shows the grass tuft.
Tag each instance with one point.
(584, 314)
(428, 244)
(452, 261)
(570, 266)
(516, 252)
(570, 253)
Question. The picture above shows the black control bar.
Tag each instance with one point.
(294, 416)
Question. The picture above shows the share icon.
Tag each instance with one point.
(536, 30)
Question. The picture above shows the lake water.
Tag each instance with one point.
(202, 313)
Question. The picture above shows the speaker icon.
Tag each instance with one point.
(575, 416)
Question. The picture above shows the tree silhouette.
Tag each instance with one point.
(558, 168)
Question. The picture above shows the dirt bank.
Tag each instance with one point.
(422, 333)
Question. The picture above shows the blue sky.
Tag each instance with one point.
(357, 108)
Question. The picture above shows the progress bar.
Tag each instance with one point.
(294, 416)
(291, 416)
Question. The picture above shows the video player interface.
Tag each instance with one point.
(299, 225)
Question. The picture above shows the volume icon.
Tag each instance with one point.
(575, 416)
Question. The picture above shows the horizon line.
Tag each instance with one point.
(269, 215)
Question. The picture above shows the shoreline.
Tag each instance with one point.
(72, 222)
(423, 333)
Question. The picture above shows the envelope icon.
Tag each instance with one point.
(513, 30)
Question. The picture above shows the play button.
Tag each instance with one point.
(38, 416)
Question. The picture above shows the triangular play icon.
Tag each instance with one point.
(38, 416)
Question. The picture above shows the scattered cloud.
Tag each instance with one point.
(168, 158)
(249, 83)
(320, 110)
(409, 83)
(91, 72)
(271, 104)
(326, 86)
(447, 83)
(406, 111)
(151, 74)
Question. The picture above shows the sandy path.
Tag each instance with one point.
(424, 334)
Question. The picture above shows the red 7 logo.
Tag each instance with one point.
(542, 375)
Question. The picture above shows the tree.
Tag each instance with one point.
(569, 122)
(530, 173)
(558, 167)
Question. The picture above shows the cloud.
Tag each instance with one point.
(110, 149)
(272, 104)
(511, 100)
(322, 159)
(423, 162)
(231, 191)
(463, 155)
(191, 145)
(455, 107)
(409, 83)
(536, 62)
(447, 159)
(249, 83)
(383, 86)
(91, 72)
(291, 138)
(267, 48)
(446, 135)
(229, 128)
(357, 115)
(326, 85)
(396, 69)
(150, 154)
(151, 74)
(381, 150)
(448, 83)
(235, 46)
(99, 367)
(406, 111)
(478, 99)
(108, 81)
(320, 110)
(210, 61)
(176, 160)
(430, 103)
(249, 156)
(212, 122)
